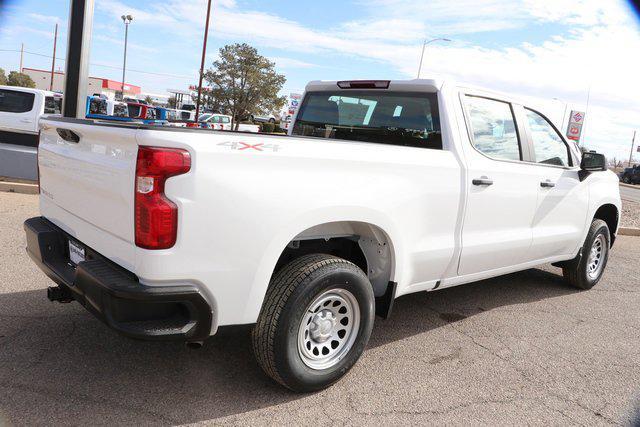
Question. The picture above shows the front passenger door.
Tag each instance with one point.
(563, 200)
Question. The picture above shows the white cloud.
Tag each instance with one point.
(282, 62)
(48, 19)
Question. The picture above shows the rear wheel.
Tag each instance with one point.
(586, 272)
(272, 120)
(315, 322)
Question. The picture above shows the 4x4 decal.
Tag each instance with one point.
(242, 146)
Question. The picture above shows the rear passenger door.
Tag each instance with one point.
(502, 188)
(560, 215)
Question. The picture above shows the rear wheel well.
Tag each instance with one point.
(342, 247)
(363, 244)
(609, 214)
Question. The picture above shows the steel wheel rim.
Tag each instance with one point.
(328, 329)
(595, 262)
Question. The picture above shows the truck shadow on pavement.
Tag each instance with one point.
(59, 365)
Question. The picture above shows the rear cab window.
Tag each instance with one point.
(14, 101)
(386, 117)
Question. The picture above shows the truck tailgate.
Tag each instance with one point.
(88, 186)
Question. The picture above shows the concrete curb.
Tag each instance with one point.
(18, 187)
(628, 231)
(637, 187)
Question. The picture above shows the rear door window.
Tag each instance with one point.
(13, 101)
(493, 128)
(548, 146)
(396, 118)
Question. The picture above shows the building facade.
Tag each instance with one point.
(97, 85)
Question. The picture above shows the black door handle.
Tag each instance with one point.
(547, 184)
(68, 135)
(482, 181)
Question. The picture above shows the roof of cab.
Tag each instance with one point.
(415, 85)
(30, 90)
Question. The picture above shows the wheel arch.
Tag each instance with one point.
(610, 214)
(373, 239)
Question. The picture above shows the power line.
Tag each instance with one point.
(103, 65)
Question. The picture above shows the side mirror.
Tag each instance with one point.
(593, 162)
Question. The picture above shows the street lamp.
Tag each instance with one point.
(424, 46)
(127, 20)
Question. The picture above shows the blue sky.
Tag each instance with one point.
(545, 48)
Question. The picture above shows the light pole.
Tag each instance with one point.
(424, 46)
(127, 20)
(204, 52)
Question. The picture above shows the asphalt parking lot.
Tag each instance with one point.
(520, 349)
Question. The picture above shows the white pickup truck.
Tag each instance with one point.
(20, 110)
(383, 188)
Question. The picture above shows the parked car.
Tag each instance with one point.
(217, 121)
(260, 118)
(631, 175)
(20, 111)
(383, 189)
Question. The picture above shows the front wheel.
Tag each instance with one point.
(315, 322)
(586, 273)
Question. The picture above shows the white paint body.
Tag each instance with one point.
(26, 122)
(240, 207)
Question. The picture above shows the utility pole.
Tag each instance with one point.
(204, 52)
(127, 20)
(21, 55)
(53, 61)
(633, 140)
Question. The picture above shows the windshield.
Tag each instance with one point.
(204, 117)
(398, 118)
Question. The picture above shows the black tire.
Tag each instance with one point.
(291, 292)
(251, 119)
(272, 121)
(576, 272)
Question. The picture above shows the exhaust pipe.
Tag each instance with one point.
(195, 345)
(59, 294)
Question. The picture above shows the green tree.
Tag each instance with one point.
(171, 102)
(3, 77)
(19, 79)
(148, 100)
(244, 82)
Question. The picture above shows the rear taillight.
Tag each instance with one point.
(156, 217)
